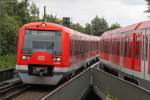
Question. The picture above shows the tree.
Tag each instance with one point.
(9, 35)
(148, 8)
(22, 12)
(34, 13)
(13, 14)
(77, 27)
(114, 26)
(8, 27)
(88, 28)
(53, 19)
(99, 25)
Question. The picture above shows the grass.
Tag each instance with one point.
(108, 96)
(7, 62)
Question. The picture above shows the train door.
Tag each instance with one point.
(121, 49)
(138, 53)
(110, 48)
(145, 66)
(113, 50)
(127, 59)
(118, 50)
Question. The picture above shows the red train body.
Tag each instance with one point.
(127, 51)
(49, 52)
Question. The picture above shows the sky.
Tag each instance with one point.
(124, 12)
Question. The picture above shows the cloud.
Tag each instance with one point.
(133, 2)
(122, 11)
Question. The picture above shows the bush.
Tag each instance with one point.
(7, 62)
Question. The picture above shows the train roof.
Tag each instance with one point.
(137, 26)
(60, 27)
(145, 24)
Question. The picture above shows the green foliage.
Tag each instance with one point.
(13, 15)
(88, 29)
(148, 8)
(34, 10)
(77, 27)
(99, 25)
(114, 26)
(34, 13)
(7, 61)
(52, 19)
(8, 35)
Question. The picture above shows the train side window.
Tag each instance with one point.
(118, 47)
(137, 54)
(70, 49)
(143, 37)
(72, 43)
(75, 47)
(125, 47)
(112, 46)
(115, 47)
(146, 46)
(73, 51)
(121, 47)
(130, 47)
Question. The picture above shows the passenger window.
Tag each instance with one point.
(146, 46)
(137, 54)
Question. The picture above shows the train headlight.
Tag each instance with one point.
(56, 59)
(26, 57)
(43, 24)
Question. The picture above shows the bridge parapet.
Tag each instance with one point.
(103, 83)
(74, 89)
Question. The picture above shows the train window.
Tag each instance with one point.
(118, 48)
(116, 43)
(125, 47)
(122, 46)
(112, 46)
(130, 49)
(70, 49)
(146, 47)
(137, 54)
(36, 40)
(71, 46)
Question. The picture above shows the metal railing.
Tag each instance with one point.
(6, 74)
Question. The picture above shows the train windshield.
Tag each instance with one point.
(37, 40)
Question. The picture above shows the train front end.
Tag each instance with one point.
(39, 53)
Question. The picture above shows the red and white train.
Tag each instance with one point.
(49, 52)
(126, 52)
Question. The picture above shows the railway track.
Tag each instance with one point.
(18, 91)
(11, 90)
(35, 92)
(6, 84)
